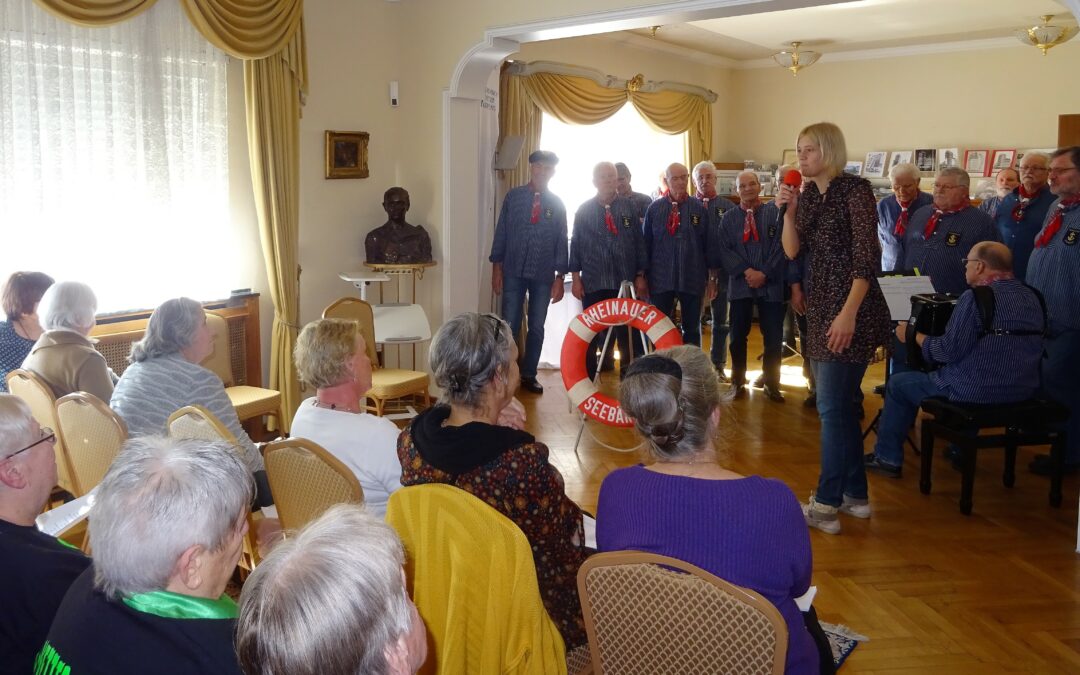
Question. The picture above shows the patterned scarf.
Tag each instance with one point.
(1023, 200)
(535, 217)
(609, 220)
(673, 217)
(905, 216)
(706, 196)
(931, 224)
(1055, 223)
(749, 227)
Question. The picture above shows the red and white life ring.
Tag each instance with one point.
(584, 327)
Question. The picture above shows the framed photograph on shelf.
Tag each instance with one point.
(854, 168)
(926, 160)
(948, 158)
(875, 164)
(790, 157)
(975, 162)
(347, 154)
(899, 157)
(1003, 159)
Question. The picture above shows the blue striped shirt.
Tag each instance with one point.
(990, 368)
(1020, 237)
(941, 257)
(765, 255)
(641, 204)
(603, 259)
(716, 207)
(990, 206)
(525, 249)
(677, 262)
(888, 212)
(1055, 271)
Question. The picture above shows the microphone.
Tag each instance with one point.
(794, 179)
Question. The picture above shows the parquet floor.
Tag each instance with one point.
(937, 592)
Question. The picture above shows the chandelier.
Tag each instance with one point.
(795, 60)
(1045, 36)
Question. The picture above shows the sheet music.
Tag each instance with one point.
(898, 291)
(64, 516)
(590, 531)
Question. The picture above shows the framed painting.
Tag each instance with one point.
(899, 157)
(346, 154)
(975, 162)
(926, 160)
(854, 168)
(790, 157)
(875, 164)
(948, 158)
(1003, 159)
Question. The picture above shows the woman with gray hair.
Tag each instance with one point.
(461, 442)
(295, 618)
(167, 529)
(64, 356)
(165, 376)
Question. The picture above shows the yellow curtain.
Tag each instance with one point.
(572, 99)
(246, 29)
(674, 112)
(518, 116)
(95, 12)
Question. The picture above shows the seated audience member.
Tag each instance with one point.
(64, 356)
(462, 442)
(167, 529)
(332, 357)
(331, 600)
(746, 530)
(977, 367)
(895, 211)
(36, 569)
(1023, 211)
(165, 376)
(21, 295)
(1004, 183)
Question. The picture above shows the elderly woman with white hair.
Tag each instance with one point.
(36, 569)
(167, 529)
(894, 212)
(165, 376)
(64, 356)
(295, 617)
(462, 442)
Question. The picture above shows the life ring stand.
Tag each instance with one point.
(579, 335)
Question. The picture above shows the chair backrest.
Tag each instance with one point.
(32, 389)
(306, 480)
(648, 613)
(92, 435)
(220, 361)
(474, 582)
(195, 421)
(355, 309)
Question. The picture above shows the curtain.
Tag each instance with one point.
(518, 116)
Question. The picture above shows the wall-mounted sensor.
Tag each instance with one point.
(393, 93)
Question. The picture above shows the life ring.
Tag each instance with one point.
(584, 327)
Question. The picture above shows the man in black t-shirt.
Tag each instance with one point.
(35, 569)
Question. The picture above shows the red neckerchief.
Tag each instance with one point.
(931, 224)
(1023, 199)
(535, 217)
(750, 225)
(706, 196)
(1055, 223)
(905, 215)
(997, 276)
(673, 217)
(609, 220)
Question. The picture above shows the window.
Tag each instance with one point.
(114, 155)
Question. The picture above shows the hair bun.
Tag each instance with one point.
(665, 436)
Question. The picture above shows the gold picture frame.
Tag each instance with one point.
(347, 154)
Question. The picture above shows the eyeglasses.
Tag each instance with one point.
(1058, 172)
(47, 436)
(496, 324)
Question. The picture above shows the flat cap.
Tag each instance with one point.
(543, 157)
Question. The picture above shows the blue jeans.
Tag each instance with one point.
(842, 470)
(513, 300)
(720, 328)
(771, 321)
(1060, 367)
(690, 304)
(903, 395)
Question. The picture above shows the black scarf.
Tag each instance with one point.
(457, 450)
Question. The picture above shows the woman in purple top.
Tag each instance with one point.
(746, 530)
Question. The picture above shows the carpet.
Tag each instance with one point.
(843, 641)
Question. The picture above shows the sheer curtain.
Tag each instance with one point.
(114, 155)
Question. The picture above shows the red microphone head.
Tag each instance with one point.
(793, 178)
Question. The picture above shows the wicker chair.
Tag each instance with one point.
(92, 435)
(32, 389)
(250, 402)
(647, 613)
(387, 384)
(306, 480)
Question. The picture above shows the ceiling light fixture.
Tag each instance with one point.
(1045, 36)
(652, 30)
(796, 60)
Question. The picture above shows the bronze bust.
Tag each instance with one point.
(397, 242)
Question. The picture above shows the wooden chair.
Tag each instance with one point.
(250, 402)
(306, 480)
(92, 435)
(647, 613)
(387, 384)
(32, 389)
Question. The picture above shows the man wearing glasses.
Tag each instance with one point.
(1021, 213)
(36, 569)
(1054, 269)
(978, 366)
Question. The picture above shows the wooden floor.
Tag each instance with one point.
(937, 592)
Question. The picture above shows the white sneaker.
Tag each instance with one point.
(821, 516)
(859, 508)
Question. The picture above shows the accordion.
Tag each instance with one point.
(930, 314)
